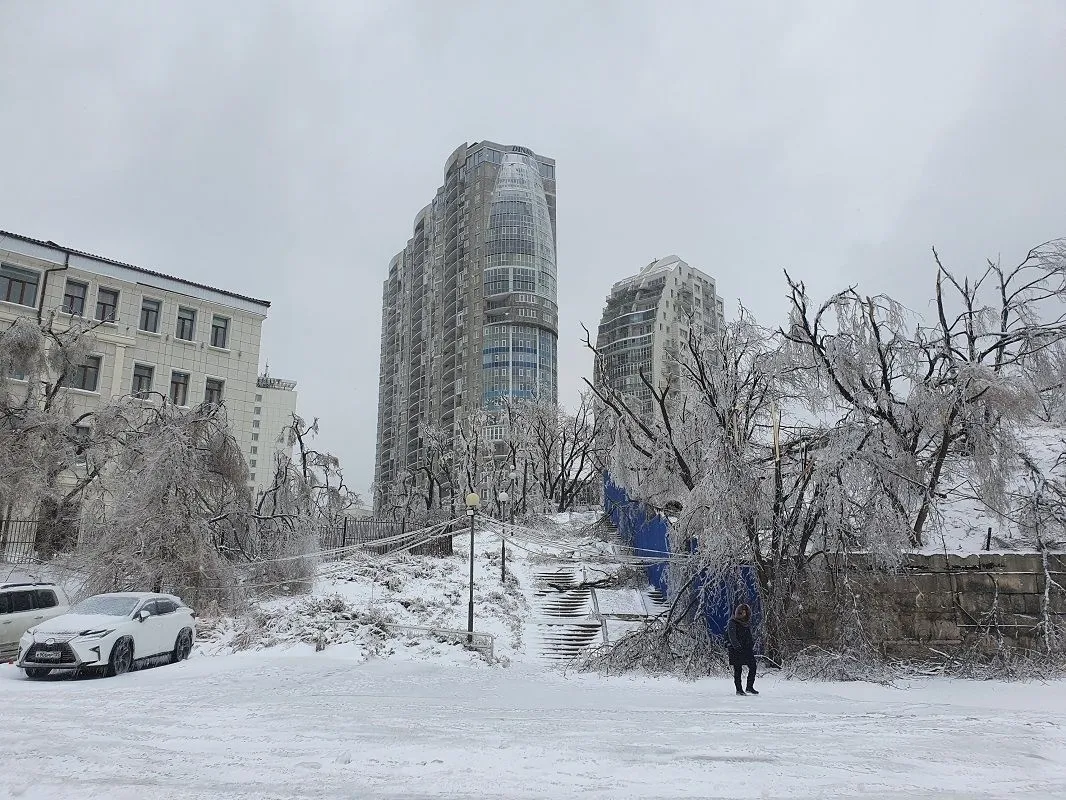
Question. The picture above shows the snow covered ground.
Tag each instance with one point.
(318, 725)
(355, 600)
(259, 713)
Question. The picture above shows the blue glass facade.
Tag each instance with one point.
(519, 355)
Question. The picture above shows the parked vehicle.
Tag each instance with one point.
(22, 606)
(110, 633)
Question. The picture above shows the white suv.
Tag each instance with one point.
(23, 605)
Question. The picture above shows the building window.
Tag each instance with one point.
(251, 477)
(74, 298)
(255, 437)
(18, 285)
(213, 391)
(257, 411)
(85, 376)
(258, 398)
(106, 304)
(186, 324)
(150, 315)
(251, 463)
(82, 435)
(219, 332)
(142, 380)
(254, 450)
(179, 388)
(255, 423)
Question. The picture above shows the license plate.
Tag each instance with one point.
(48, 655)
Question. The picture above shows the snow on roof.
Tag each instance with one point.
(664, 264)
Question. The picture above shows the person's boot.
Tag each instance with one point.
(751, 690)
(739, 690)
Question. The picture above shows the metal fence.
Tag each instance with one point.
(22, 541)
(365, 532)
(18, 541)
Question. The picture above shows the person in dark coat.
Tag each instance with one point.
(741, 647)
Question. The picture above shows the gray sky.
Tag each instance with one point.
(282, 149)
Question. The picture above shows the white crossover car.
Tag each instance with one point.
(23, 605)
(110, 633)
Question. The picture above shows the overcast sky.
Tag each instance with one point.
(282, 149)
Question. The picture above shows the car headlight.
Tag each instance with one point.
(100, 634)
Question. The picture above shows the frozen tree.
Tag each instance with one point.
(170, 529)
(747, 486)
(565, 450)
(47, 458)
(931, 394)
(307, 495)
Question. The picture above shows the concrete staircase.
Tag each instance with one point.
(565, 624)
(566, 620)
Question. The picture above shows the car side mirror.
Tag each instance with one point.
(142, 615)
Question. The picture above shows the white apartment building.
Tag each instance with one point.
(275, 403)
(159, 334)
(646, 320)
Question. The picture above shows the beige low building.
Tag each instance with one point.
(159, 335)
(275, 403)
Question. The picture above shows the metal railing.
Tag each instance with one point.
(18, 541)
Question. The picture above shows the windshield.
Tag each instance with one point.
(109, 605)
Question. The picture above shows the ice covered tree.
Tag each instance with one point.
(565, 450)
(307, 495)
(934, 394)
(171, 527)
(49, 452)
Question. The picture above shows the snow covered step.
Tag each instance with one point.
(656, 600)
(560, 642)
(567, 604)
(549, 581)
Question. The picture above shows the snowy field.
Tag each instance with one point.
(258, 713)
(318, 725)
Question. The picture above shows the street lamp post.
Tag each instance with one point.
(503, 498)
(472, 503)
(503, 548)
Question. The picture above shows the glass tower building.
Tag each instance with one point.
(469, 312)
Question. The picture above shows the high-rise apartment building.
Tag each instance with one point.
(647, 319)
(469, 311)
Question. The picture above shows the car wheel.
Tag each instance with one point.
(121, 660)
(36, 673)
(182, 646)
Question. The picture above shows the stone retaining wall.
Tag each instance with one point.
(939, 602)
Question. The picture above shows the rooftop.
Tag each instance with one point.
(269, 382)
(661, 266)
(142, 270)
